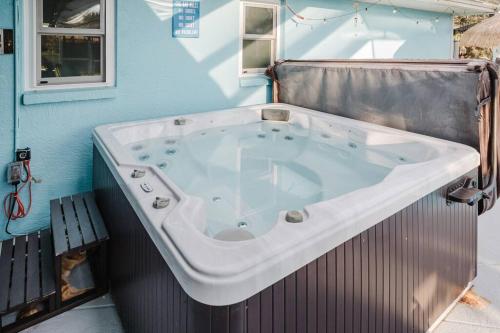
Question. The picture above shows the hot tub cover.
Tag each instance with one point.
(452, 100)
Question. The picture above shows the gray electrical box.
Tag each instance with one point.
(6, 41)
(14, 173)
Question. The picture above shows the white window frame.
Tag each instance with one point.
(274, 37)
(32, 46)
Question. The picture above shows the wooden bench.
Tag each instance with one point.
(77, 226)
(31, 266)
(26, 278)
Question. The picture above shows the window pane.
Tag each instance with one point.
(256, 53)
(65, 56)
(71, 14)
(259, 21)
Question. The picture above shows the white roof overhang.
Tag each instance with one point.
(459, 7)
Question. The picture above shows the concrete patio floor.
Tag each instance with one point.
(100, 315)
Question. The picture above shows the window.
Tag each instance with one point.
(258, 37)
(72, 43)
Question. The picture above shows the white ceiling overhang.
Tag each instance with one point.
(460, 7)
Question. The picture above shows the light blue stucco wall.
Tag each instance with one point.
(379, 32)
(159, 76)
(6, 102)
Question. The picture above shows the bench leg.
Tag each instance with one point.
(58, 296)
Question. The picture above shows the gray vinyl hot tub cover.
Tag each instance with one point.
(451, 100)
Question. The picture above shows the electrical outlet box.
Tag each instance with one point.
(23, 154)
(6, 41)
(14, 172)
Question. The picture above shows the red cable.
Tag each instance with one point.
(13, 199)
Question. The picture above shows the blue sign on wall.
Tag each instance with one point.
(186, 19)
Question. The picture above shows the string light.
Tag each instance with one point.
(302, 20)
(356, 18)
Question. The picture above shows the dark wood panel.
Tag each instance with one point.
(253, 313)
(290, 304)
(365, 283)
(394, 277)
(95, 217)
(33, 269)
(340, 316)
(5, 272)
(237, 318)
(379, 314)
(386, 259)
(331, 300)
(83, 220)
(372, 278)
(74, 235)
(312, 297)
(17, 291)
(47, 263)
(349, 286)
(58, 227)
(301, 305)
(266, 311)
(322, 294)
(279, 307)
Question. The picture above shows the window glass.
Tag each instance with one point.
(259, 21)
(256, 53)
(84, 14)
(65, 56)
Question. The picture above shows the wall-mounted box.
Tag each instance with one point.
(6, 41)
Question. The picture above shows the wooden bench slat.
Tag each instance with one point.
(74, 236)
(32, 269)
(16, 297)
(5, 270)
(95, 217)
(47, 264)
(83, 218)
(58, 227)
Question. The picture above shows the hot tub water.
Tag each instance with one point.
(248, 174)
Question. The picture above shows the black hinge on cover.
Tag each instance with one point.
(466, 192)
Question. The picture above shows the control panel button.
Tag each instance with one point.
(160, 203)
(146, 187)
(138, 173)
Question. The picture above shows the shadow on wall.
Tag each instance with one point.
(157, 76)
(378, 33)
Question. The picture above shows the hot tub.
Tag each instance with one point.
(230, 204)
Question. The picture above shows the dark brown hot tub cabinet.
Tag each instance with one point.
(398, 276)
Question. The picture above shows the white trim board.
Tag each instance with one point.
(444, 6)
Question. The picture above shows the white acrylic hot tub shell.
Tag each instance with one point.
(221, 273)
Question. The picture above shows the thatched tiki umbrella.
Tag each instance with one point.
(485, 34)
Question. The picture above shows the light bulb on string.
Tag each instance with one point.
(437, 20)
(395, 11)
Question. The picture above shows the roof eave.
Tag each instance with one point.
(459, 7)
